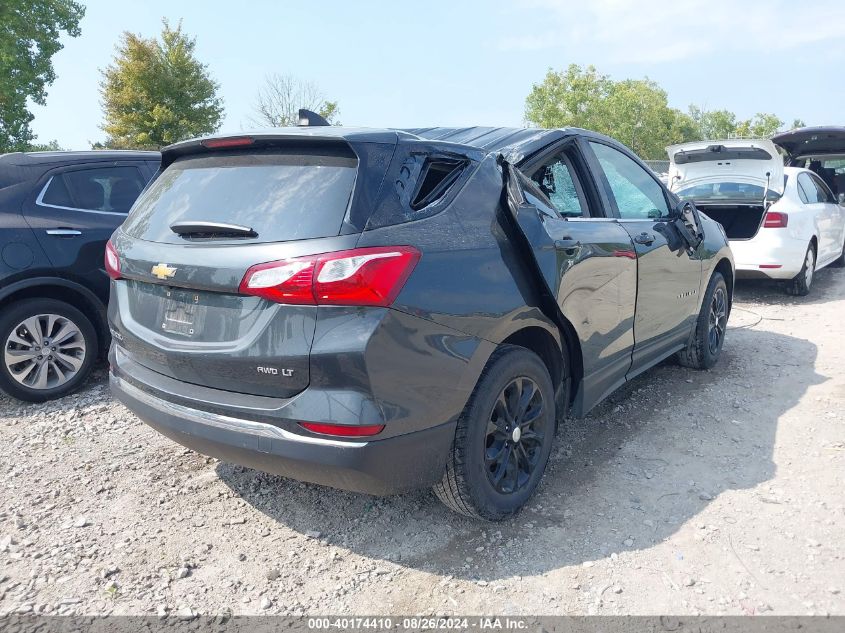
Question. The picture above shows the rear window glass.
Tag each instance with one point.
(727, 191)
(280, 196)
(836, 164)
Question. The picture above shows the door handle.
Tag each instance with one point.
(567, 242)
(63, 232)
(644, 238)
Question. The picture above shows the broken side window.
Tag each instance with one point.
(436, 176)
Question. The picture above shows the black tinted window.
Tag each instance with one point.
(57, 194)
(112, 189)
(280, 196)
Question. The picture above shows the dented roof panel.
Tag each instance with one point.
(515, 143)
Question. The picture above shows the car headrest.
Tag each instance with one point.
(123, 194)
(90, 194)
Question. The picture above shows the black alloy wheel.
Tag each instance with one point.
(514, 440)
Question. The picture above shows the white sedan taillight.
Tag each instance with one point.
(775, 220)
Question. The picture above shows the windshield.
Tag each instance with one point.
(281, 197)
(726, 191)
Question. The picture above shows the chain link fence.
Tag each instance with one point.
(658, 166)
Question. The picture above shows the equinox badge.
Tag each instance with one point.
(163, 271)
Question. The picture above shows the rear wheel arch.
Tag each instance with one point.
(543, 343)
(62, 290)
(724, 267)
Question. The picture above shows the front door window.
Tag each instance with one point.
(637, 193)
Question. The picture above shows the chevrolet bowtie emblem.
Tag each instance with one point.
(163, 271)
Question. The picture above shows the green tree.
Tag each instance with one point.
(568, 98)
(52, 146)
(762, 125)
(684, 128)
(635, 111)
(796, 123)
(29, 38)
(721, 124)
(280, 98)
(713, 124)
(156, 92)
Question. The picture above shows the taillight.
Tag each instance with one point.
(286, 281)
(776, 220)
(359, 277)
(112, 261)
(343, 430)
(232, 141)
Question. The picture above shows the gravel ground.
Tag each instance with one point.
(687, 492)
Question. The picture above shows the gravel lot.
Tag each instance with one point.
(687, 492)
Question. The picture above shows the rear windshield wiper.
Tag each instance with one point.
(200, 228)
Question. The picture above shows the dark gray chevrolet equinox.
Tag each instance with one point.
(383, 310)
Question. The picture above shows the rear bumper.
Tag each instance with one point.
(770, 247)
(382, 467)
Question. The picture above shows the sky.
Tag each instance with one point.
(470, 62)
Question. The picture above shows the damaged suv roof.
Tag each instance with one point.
(513, 143)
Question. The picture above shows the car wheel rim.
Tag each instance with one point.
(718, 320)
(44, 351)
(809, 267)
(514, 437)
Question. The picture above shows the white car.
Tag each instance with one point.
(782, 222)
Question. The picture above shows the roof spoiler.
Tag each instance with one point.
(307, 118)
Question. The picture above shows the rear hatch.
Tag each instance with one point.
(733, 181)
(812, 141)
(212, 214)
(821, 149)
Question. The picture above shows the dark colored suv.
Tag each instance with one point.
(57, 210)
(387, 310)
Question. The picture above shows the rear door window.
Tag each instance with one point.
(280, 196)
(103, 189)
(824, 194)
(807, 190)
(556, 179)
(56, 194)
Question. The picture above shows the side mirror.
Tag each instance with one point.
(841, 197)
(688, 224)
(677, 211)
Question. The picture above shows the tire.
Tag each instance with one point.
(710, 327)
(468, 485)
(839, 262)
(802, 282)
(22, 372)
